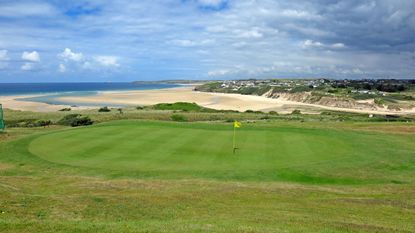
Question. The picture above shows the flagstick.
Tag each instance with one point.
(234, 142)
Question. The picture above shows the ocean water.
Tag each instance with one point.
(47, 88)
(50, 92)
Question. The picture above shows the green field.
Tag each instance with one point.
(153, 176)
(204, 150)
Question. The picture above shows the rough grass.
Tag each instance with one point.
(192, 113)
(43, 196)
(180, 106)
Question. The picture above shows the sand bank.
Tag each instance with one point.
(185, 94)
(14, 102)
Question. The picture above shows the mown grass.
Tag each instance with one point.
(204, 150)
(41, 195)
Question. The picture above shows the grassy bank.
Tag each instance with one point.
(189, 112)
(160, 176)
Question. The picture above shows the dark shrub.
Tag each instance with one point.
(75, 120)
(104, 109)
(65, 109)
(139, 107)
(249, 111)
(28, 123)
(273, 113)
(333, 91)
(227, 111)
(177, 117)
(266, 117)
(17, 123)
(43, 123)
(296, 112)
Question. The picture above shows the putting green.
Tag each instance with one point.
(194, 150)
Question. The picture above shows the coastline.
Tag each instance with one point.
(15, 102)
(219, 101)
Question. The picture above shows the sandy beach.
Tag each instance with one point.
(183, 94)
(14, 102)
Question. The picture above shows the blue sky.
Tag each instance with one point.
(91, 40)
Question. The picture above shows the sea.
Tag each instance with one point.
(50, 92)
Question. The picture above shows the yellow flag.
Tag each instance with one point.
(236, 124)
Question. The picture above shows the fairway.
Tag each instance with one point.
(204, 150)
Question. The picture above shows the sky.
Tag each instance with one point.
(118, 41)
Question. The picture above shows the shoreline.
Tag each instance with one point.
(16, 102)
(219, 101)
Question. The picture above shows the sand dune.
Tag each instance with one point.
(185, 94)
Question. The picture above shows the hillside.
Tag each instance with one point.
(385, 95)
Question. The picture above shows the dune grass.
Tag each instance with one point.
(150, 176)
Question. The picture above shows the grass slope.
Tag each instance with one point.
(68, 195)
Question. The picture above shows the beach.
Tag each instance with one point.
(13, 102)
(219, 101)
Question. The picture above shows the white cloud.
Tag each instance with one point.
(338, 45)
(3, 59)
(254, 33)
(299, 14)
(184, 43)
(241, 44)
(85, 62)
(62, 68)
(107, 60)
(25, 9)
(216, 28)
(67, 54)
(308, 30)
(310, 43)
(3, 55)
(316, 44)
(191, 43)
(87, 65)
(366, 7)
(237, 69)
(215, 73)
(27, 66)
(211, 3)
(31, 56)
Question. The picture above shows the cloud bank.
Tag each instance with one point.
(199, 39)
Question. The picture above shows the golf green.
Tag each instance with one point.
(204, 150)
